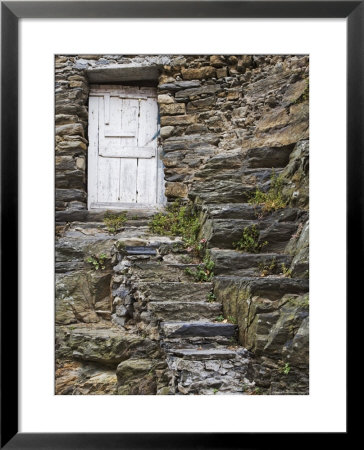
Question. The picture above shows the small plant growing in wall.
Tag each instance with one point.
(249, 242)
(256, 391)
(180, 220)
(285, 369)
(232, 319)
(273, 199)
(97, 261)
(204, 271)
(114, 222)
(269, 268)
(287, 272)
(211, 297)
(272, 268)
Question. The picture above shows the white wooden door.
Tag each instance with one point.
(122, 161)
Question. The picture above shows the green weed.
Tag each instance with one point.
(270, 268)
(97, 261)
(204, 271)
(273, 199)
(249, 241)
(287, 272)
(114, 222)
(285, 369)
(178, 220)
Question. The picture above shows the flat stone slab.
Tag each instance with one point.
(107, 346)
(202, 329)
(246, 264)
(244, 211)
(174, 291)
(158, 271)
(185, 310)
(140, 250)
(223, 233)
(97, 215)
(204, 354)
(270, 287)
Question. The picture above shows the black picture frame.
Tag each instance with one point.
(11, 12)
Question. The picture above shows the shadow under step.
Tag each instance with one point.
(214, 353)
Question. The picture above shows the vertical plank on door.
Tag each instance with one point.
(128, 180)
(110, 111)
(107, 108)
(108, 170)
(128, 166)
(108, 179)
(129, 121)
(147, 168)
(146, 181)
(93, 137)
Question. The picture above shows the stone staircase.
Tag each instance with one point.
(156, 327)
(201, 353)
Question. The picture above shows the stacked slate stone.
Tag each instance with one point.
(227, 124)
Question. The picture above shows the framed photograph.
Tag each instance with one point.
(184, 211)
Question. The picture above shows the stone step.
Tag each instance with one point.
(195, 354)
(272, 288)
(217, 191)
(184, 310)
(244, 211)
(209, 371)
(223, 233)
(68, 266)
(247, 264)
(216, 385)
(247, 211)
(198, 341)
(97, 215)
(159, 271)
(140, 250)
(174, 291)
(198, 328)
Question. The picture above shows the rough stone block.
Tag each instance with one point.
(202, 72)
(221, 73)
(178, 190)
(172, 109)
(178, 120)
(70, 130)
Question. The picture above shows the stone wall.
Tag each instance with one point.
(221, 118)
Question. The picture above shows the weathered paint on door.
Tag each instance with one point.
(123, 153)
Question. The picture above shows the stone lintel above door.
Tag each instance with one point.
(128, 72)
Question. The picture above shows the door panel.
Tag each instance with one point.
(146, 180)
(108, 179)
(123, 169)
(128, 177)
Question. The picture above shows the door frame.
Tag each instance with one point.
(160, 182)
